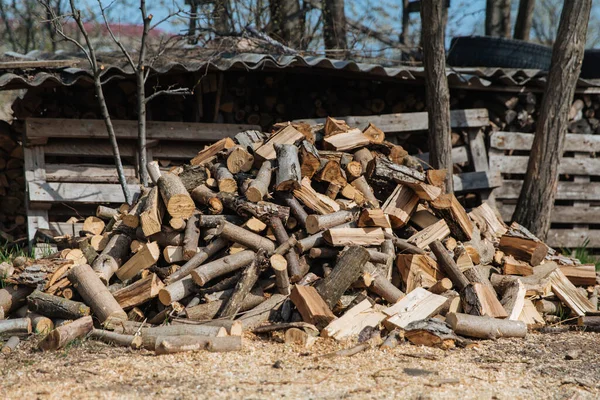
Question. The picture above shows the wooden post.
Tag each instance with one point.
(538, 192)
(437, 93)
(92, 290)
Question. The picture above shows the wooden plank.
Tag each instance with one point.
(478, 151)
(96, 148)
(78, 192)
(473, 181)
(572, 238)
(88, 173)
(36, 219)
(570, 166)
(510, 189)
(460, 155)
(561, 214)
(34, 164)
(39, 64)
(44, 128)
(408, 122)
(524, 141)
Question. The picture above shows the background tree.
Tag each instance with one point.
(334, 25)
(436, 87)
(497, 18)
(536, 200)
(524, 19)
(287, 22)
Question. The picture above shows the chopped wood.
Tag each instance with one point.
(287, 175)
(64, 334)
(354, 236)
(377, 218)
(512, 266)
(485, 327)
(17, 326)
(523, 249)
(400, 205)
(143, 259)
(312, 199)
(56, 307)
(177, 344)
(239, 159)
(151, 217)
(568, 293)
(138, 292)
(416, 305)
(93, 225)
(311, 306)
(176, 198)
(353, 321)
(135, 342)
(222, 266)
(316, 223)
(212, 151)
(112, 257)
(580, 275)
(259, 187)
(225, 180)
(286, 135)
(310, 162)
(244, 237)
(447, 207)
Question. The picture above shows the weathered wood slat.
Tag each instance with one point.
(571, 166)
(44, 128)
(78, 192)
(510, 189)
(96, 173)
(460, 155)
(95, 148)
(523, 141)
(561, 214)
(408, 122)
(473, 181)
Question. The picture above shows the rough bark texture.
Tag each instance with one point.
(192, 236)
(524, 19)
(288, 22)
(497, 18)
(64, 334)
(243, 287)
(346, 271)
(448, 266)
(334, 24)
(112, 257)
(539, 188)
(54, 306)
(437, 94)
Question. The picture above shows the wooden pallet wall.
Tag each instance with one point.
(576, 213)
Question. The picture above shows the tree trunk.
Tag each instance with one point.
(221, 18)
(334, 24)
(497, 18)
(438, 96)
(287, 21)
(524, 19)
(539, 188)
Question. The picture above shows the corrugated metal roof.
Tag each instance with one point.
(192, 60)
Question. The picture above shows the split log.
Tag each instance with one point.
(135, 342)
(191, 237)
(95, 294)
(353, 321)
(93, 225)
(222, 266)
(177, 344)
(112, 257)
(568, 293)
(286, 135)
(403, 245)
(203, 195)
(316, 223)
(513, 300)
(580, 275)
(485, 327)
(239, 159)
(416, 305)
(441, 286)
(141, 260)
(212, 150)
(523, 249)
(225, 180)
(363, 156)
(354, 236)
(17, 326)
(352, 139)
(56, 307)
(317, 240)
(259, 187)
(363, 187)
(310, 160)
(373, 218)
(131, 217)
(244, 237)
(479, 299)
(312, 199)
(512, 266)
(175, 197)
(447, 207)
(138, 292)
(400, 205)
(346, 271)
(311, 306)
(151, 217)
(64, 334)
(287, 176)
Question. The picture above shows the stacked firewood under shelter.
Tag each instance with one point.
(322, 231)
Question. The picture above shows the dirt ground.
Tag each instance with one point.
(533, 368)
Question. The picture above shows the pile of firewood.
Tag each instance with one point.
(316, 230)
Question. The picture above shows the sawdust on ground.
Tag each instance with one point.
(533, 368)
